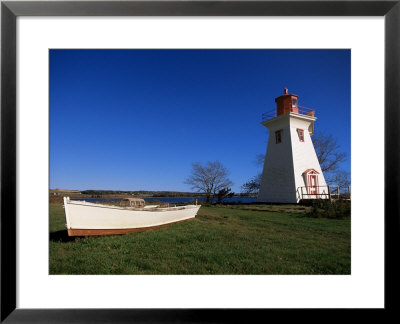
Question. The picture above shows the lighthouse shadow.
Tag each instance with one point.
(61, 236)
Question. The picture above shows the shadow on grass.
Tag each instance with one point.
(62, 236)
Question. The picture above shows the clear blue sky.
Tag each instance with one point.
(137, 119)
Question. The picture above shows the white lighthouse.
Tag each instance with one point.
(291, 168)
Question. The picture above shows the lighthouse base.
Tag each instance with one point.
(278, 197)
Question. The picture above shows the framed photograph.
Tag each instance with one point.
(125, 104)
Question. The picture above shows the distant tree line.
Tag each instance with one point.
(141, 193)
(103, 192)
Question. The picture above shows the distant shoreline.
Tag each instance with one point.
(140, 194)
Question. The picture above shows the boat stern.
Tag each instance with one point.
(66, 201)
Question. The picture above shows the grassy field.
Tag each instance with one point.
(231, 239)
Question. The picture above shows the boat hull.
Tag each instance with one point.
(89, 232)
(85, 218)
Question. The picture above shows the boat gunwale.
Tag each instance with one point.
(153, 209)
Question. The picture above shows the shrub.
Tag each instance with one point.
(335, 209)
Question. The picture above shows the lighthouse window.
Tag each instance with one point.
(294, 102)
(301, 134)
(278, 136)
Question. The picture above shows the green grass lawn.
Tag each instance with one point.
(231, 239)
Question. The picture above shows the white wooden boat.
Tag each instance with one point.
(84, 218)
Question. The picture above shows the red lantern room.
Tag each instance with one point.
(286, 103)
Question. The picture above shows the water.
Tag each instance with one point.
(175, 200)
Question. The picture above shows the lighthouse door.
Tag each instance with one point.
(312, 180)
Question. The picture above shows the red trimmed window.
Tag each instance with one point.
(300, 132)
(278, 136)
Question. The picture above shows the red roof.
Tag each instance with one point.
(310, 171)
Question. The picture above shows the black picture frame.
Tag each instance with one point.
(10, 10)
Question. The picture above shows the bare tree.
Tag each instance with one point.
(259, 160)
(208, 178)
(253, 185)
(339, 178)
(327, 150)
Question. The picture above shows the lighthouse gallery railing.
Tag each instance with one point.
(324, 192)
(300, 110)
